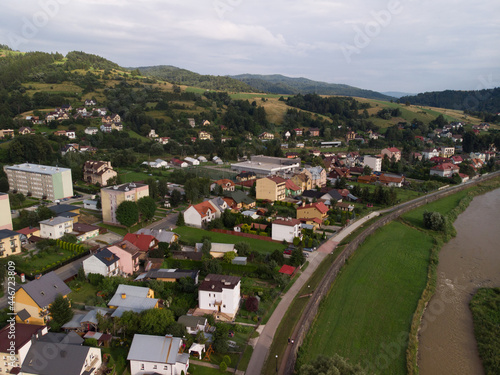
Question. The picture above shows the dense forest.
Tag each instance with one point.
(473, 102)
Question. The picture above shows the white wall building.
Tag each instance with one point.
(220, 293)
(157, 355)
(286, 229)
(202, 213)
(374, 162)
(104, 262)
(56, 227)
(192, 161)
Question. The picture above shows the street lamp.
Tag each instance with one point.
(276, 363)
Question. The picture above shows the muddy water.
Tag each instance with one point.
(469, 261)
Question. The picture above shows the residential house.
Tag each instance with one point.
(89, 102)
(344, 206)
(392, 152)
(88, 149)
(391, 181)
(10, 243)
(311, 195)
(221, 294)
(317, 175)
(202, 213)
(314, 132)
(444, 170)
(339, 173)
(34, 298)
(333, 196)
(205, 123)
(350, 136)
(374, 162)
(14, 344)
(129, 255)
(24, 130)
(367, 179)
(202, 159)
(218, 250)
(417, 156)
(192, 161)
(316, 210)
(67, 211)
(98, 172)
(193, 324)
(90, 204)
(298, 132)
(91, 130)
(239, 200)
(56, 227)
(161, 235)
(132, 298)
(71, 134)
(456, 159)
(67, 148)
(271, 188)
(291, 189)
(227, 185)
(286, 229)
(203, 135)
(302, 181)
(152, 134)
(5, 212)
(446, 151)
(106, 128)
(67, 356)
(161, 355)
(61, 133)
(144, 242)
(245, 176)
(27, 233)
(179, 163)
(85, 232)
(266, 136)
(162, 140)
(428, 154)
(104, 262)
(113, 196)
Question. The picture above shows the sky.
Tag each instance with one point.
(383, 45)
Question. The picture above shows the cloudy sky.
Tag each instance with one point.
(383, 45)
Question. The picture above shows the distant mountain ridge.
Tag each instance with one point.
(397, 94)
(280, 84)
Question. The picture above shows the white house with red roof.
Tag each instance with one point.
(286, 229)
(444, 170)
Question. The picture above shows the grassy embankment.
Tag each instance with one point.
(373, 310)
(485, 307)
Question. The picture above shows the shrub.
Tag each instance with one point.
(223, 366)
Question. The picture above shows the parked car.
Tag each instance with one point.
(287, 251)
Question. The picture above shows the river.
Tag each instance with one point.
(469, 261)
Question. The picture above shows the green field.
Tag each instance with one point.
(367, 315)
(202, 370)
(189, 234)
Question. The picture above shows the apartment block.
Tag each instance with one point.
(5, 216)
(112, 196)
(40, 181)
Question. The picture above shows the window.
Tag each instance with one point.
(142, 366)
(155, 367)
(165, 367)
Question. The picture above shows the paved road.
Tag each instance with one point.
(261, 349)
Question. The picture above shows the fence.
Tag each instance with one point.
(311, 310)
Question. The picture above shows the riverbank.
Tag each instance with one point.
(446, 342)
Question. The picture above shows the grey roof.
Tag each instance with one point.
(65, 359)
(240, 197)
(125, 187)
(192, 321)
(164, 273)
(120, 310)
(107, 257)
(335, 195)
(60, 208)
(149, 348)
(70, 338)
(159, 234)
(56, 221)
(45, 290)
(312, 194)
(75, 322)
(6, 233)
(36, 168)
(135, 298)
(91, 316)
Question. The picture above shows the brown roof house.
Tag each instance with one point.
(98, 172)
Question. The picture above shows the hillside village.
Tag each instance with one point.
(140, 218)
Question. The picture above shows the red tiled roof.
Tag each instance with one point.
(287, 270)
(291, 186)
(445, 167)
(276, 179)
(203, 208)
(27, 230)
(224, 182)
(320, 206)
(142, 241)
(289, 222)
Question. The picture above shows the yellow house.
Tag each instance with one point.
(312, 211)
(10, 243)
(302, 181)
(5, 215)
(34, 298)
(132, 298)
(271, 188)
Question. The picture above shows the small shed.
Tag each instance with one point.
(287, 270)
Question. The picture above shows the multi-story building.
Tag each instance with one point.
(374, 162)
(286, 229)
(40, 181)
(317, 175)
(10, 243)
(56, 227)
(392, 152)
(220, 293)
(5, 216)
(271, 188)
(316, 210)
(98, 172)
(111, 197)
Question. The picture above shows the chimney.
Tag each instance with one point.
(124, 295)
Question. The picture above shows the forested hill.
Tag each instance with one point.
(186, 77)
(279, 84)
(487, 100)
